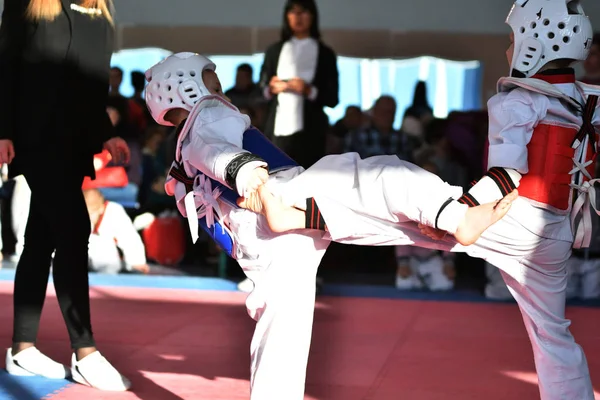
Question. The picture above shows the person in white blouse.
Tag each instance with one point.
(299, 77)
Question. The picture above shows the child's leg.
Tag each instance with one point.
(471, 221)
(282, 303)
(537, 283)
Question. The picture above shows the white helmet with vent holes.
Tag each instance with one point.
(548, 30)
(176, 82)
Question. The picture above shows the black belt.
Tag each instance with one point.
(179, 174)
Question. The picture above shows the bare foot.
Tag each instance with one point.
(281, 218)
(478, 219)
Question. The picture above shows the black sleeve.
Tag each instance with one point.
(107, 130)
(328, 84)
(13, 32)
(269, 67)
(236, 164)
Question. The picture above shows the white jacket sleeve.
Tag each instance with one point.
(127, 238)
(512, 119)
(214, 145)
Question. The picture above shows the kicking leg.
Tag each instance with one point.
(476, 221)
(282, 218)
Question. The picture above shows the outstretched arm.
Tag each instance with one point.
(512, 118)
(216, 150)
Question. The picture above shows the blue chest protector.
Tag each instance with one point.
(256, 143)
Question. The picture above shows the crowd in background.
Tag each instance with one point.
(451, 147)
(134, 220)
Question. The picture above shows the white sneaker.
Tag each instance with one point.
(94, 370)
(31, 362)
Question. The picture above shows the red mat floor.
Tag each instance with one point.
(186, 344)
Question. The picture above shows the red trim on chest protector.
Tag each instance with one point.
(554, 79)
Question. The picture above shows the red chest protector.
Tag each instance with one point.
(550, 156)
(556, 147)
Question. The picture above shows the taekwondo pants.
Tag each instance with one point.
(377, 201)
(283, 269)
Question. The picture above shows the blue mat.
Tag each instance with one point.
(218, 284)
(29, 388)
(148, 281)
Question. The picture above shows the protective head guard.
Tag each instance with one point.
(176, 82)
(547, 30)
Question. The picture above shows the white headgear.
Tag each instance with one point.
(548, 30)
(176, 82)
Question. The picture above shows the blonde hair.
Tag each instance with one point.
(50, 9)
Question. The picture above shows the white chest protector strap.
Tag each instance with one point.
(582, 208)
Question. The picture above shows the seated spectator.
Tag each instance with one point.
(380, 137)
(140, 113)
(353, 120)
(417, 116)
(495, 288)
(125, 124)
(120, 104)
(420, 108)
(442, 154)
(114, 181)
(157, 200)
(260, 116)
(249, 111)
(467, 133)
(151, 164)
(246, 92)
(418, 268)
(113, 234)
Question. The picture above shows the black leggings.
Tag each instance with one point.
(58, 221)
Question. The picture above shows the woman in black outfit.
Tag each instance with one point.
(55, 58)
(300, 77)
